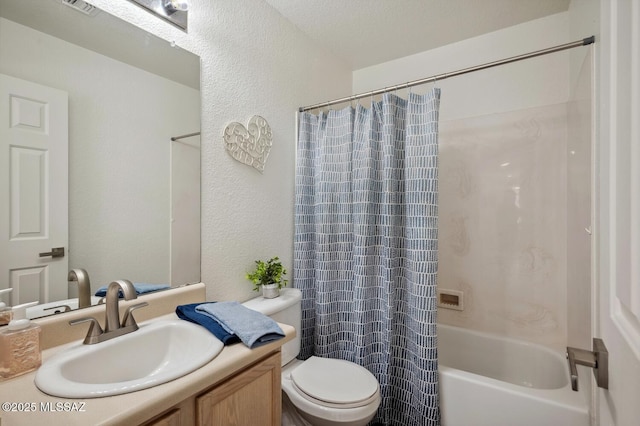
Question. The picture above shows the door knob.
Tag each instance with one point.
(55, 252)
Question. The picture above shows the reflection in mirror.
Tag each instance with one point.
(175, 12)
(94, 103)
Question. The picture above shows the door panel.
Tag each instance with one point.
(29, 283)
(28, 189)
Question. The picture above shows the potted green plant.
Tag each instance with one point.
(268, 277)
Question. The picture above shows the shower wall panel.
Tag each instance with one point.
(503, 222)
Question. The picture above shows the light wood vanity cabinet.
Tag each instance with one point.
(251, 397)
(172, 418)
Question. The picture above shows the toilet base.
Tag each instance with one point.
(316, 421)
(362, 417)
(290, 415)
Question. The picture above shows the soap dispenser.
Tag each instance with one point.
(19, 344)
(5, 311)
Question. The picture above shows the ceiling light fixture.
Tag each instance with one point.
(173, 11)
(172, 6)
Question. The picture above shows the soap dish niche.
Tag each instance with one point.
(451, 299)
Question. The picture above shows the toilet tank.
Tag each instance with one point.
(285, 309)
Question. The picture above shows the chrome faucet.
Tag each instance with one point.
(81, 276)
(113, 327)
(111, 301)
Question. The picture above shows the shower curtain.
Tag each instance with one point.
(365, 250)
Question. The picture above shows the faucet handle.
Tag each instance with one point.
(128, 319)
(95, 331)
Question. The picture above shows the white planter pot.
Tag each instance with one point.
(270, 291)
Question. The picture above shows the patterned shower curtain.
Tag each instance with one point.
(366, 244)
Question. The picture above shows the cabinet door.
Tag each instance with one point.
(172, 418)
(250, 398)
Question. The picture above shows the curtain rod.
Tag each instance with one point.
(188, 135)
(578, 43)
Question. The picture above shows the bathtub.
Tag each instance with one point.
(489, 380)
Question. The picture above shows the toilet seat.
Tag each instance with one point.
(335, 383)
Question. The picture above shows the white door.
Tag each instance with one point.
(618, 246)
(33, 190)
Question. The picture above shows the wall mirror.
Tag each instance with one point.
(129, 195)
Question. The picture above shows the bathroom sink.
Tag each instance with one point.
(158, 352)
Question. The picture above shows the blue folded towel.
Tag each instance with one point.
(141, 288)
(252, 327)
(188, 313)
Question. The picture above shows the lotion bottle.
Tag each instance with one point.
(19, 344)
(5, 311)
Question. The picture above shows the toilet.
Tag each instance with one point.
(325, 392)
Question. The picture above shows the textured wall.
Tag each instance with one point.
(254, 62)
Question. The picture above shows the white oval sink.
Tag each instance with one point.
(158, 352)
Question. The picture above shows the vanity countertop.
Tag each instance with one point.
(24, 404)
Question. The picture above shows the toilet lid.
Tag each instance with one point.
(335, 381)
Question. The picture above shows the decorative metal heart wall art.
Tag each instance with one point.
(249, 145)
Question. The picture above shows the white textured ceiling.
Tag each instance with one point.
(369, 32)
